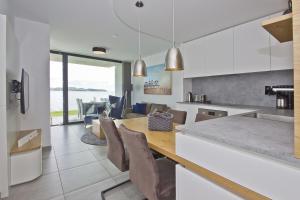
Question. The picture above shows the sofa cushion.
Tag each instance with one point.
(139, 108)
(158, 108)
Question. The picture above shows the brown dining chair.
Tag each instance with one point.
(116, 152)
(179, 116)
(203, 117)
(154, 178)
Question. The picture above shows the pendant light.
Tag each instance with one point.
(139, 67)
(174, 61)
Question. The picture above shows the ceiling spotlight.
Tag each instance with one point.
(99, 50)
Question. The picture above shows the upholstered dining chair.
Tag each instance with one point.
(116, 152)
(154, 178)
(179, 116)
(202, 117)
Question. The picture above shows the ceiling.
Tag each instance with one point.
(77, 25)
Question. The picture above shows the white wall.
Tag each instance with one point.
(34, 44)
(3, 131)
(177, 85)
(28, 46)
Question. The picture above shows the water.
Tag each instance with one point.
(56, 98)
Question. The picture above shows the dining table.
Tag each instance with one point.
(164, 142)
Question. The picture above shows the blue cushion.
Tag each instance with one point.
(134, 109)
(139, 108)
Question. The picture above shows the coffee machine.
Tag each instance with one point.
(284, 95)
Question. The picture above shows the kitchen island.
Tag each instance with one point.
(256, 153)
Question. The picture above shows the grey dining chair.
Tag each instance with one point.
(154, 178)
(179, 116)
(116, 152)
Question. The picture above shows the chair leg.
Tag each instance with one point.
(111, 188)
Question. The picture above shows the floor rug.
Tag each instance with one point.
(92, 139)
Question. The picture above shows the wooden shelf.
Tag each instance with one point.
(34, 144)
(280, 27)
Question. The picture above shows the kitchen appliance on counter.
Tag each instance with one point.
(284, 95)
(189, 97)
(201, 99)
(207, 114)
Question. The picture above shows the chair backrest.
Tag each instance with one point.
(117, 111)
(203, 117)
(179, 116)
(116, 151)
(143, 170)
(79, 105)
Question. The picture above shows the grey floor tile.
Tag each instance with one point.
(47, 152)
(43, 188)
(58, 198)
(75, 159)
(75, 178)
(49, 165)
(121, 177)
(110, 167)
(116, 194)
(92, 192)
(99, 154)
(131, 191)
(69, 148)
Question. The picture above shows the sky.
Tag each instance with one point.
(83, 76)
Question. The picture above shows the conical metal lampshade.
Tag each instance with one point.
(174, 61)
(139, 68)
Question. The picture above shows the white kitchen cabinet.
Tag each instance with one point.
(194, 58)
(281, 53)
(251, 47)
(219, 53)
(192, 186)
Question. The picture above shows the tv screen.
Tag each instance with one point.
(24, 92)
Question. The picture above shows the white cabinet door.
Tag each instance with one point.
(219, 53)
(193, 187)
(281, 53)
(251, 47)
(194, 58)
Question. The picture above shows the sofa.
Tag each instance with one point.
(148, 108)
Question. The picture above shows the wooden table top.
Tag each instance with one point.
(165, 143)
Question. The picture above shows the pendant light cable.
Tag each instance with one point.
(139, 19)
(173, 1)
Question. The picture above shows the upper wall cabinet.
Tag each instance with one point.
(194, 58)
(219, 53)
(251, 47)
(281, 53)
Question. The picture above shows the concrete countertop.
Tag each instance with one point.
(258, 109)
(273, 139)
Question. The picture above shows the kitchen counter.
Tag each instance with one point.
(268, 138)
(256, 109)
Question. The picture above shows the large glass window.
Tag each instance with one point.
(90, 82)
(56, 89)
(80, 85)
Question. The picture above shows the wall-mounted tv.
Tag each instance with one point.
(24, 96)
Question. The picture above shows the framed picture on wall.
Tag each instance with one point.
(158, 81)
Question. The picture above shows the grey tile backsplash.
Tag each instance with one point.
(242, 89)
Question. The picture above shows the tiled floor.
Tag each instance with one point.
(73, 170)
